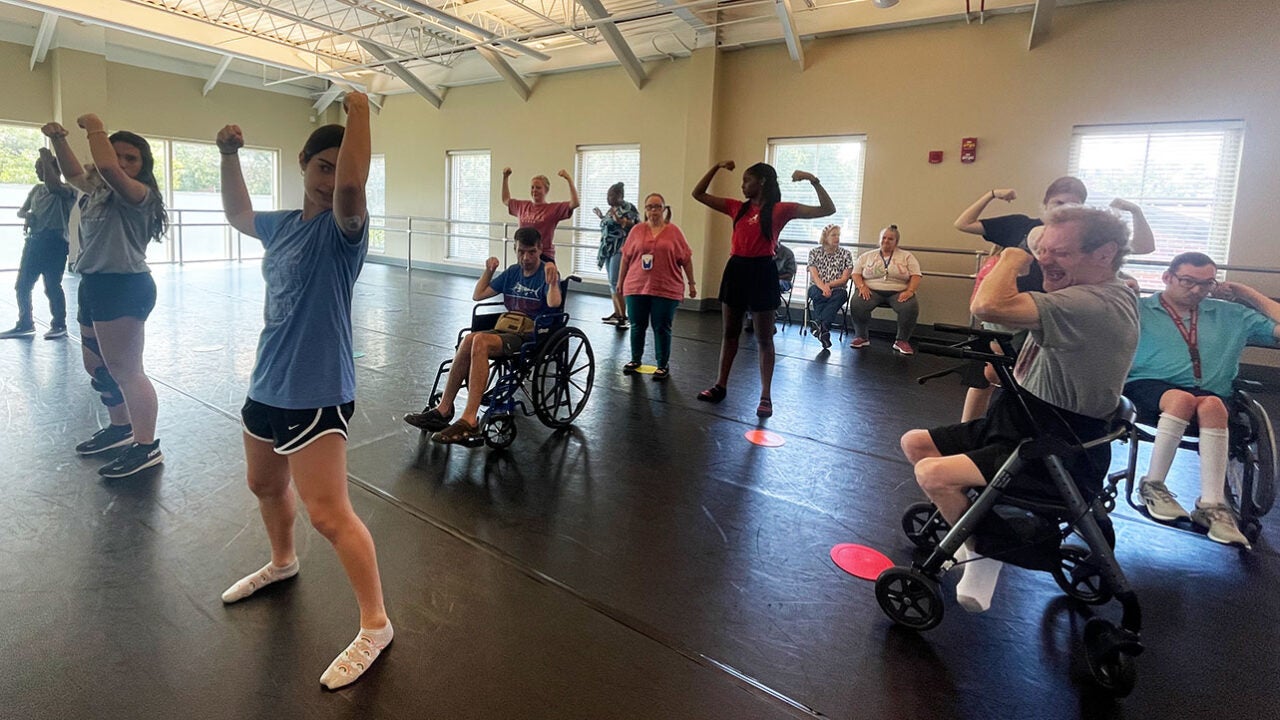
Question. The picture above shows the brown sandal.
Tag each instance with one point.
(459, 432)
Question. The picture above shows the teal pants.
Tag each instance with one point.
(661, 313)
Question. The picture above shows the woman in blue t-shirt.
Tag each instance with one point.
(121, 212)
(302, 393)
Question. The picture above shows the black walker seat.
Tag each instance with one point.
(554, 371)
(1252, 472)
(1025, 525)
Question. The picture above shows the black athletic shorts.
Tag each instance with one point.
(750, 283)
(511, 342)
(1146, 394)
(111, 296)
(292, 430)
(988, 442)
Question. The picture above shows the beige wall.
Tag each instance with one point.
(152, 103)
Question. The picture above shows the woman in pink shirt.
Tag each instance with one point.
(650, 277)
(750, 281)
(538, 213)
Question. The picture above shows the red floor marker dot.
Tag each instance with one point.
(860, 561)
(764, 438)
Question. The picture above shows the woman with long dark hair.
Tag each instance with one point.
(121, 213)
(750, 281)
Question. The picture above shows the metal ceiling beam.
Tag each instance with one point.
(403, 73)
(217, 74)
(507, 72)
(326, 99)
(786, 16)
(679, 10)
(466, 29)
(1041, 19)
(44, 37)
(613, 38)
(552, 21)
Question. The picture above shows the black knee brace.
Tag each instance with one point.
(107, 387)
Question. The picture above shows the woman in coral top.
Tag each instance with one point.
(653, 259)
(750, 281)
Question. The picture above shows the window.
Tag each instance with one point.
(1183, 175)
(375, 192)
(19, 147)
(598, 167)
(469, 186)
(838, 163)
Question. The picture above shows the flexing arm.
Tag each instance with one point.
(998, 299)
(71, 168)
(350, 210)
(236, 204)
(1143, 240)
(104, 158)
(52, 176)
(968, 221)
(484, 286)
(554, 298)
(826, 206)
(506, 187)
(700, 190)
(1255, 299)
(573, 191)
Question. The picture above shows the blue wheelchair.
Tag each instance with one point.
(1060, 526)
(551, 376)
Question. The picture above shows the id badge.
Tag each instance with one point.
(646, 261)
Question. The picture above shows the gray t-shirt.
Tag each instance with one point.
(1080, 356)
(49, 209)
(114, 233)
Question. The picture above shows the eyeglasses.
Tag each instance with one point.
(1188, 283)
(654, 207)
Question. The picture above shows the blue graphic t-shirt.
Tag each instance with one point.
(523, 294)
(304, 352)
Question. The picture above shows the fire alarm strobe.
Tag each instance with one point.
(935, 157)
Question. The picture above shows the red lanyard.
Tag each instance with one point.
(1190, 336)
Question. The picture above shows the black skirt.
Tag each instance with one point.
(750, 283)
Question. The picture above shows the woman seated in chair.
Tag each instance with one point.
(888, 277)
(528, 288)
(829, 269)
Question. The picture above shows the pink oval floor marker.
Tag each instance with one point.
(860, 561)
(764, 438)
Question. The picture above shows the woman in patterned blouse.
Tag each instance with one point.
(829, 268)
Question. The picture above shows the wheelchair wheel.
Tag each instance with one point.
(1252, 473)
(1111, 666)
(910, 598)
(1080, 578)
(924, 525)
(500, 431)
(563, 374)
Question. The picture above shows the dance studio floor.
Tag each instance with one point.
(647, 563)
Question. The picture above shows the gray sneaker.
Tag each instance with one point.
(1221, 524)
(1160, 502)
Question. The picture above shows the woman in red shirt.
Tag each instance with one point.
(750, 281)
(650, 277)
(538, 213)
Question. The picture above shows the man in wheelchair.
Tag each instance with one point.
(528, 288)
(1183, 372)
(1082, 333)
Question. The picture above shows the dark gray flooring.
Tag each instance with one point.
(648, 563)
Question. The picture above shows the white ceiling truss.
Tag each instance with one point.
(396, 46)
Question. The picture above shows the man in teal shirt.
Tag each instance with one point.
(1186, 362)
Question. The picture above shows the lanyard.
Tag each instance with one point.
(1191, 336)
(886, 263)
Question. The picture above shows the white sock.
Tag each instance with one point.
(1168, 434)
(252, 583)
(978, 581)
(359, 655)
(1213, 465)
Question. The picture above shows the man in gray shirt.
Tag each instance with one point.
(1083, 331)
(45, 214)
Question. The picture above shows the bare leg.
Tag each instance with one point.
(457, 371)
(119, 414)
(268, 476)
(732, 318)
(483, 347)
(764, 342)
(122, 342)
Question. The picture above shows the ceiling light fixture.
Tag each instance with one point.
(884, 3)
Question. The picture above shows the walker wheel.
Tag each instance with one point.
(924, 525)
(1079, 578)
(1112, 667)
(910, 598)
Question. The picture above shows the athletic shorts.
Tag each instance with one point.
(292, 430)
(511, 342)
(1146, 394)
(750, 283)
(111, 296)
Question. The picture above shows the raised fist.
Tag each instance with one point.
(491, 264)
(90, 122)
(355, 100)
(230, 139)
(53, 131)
